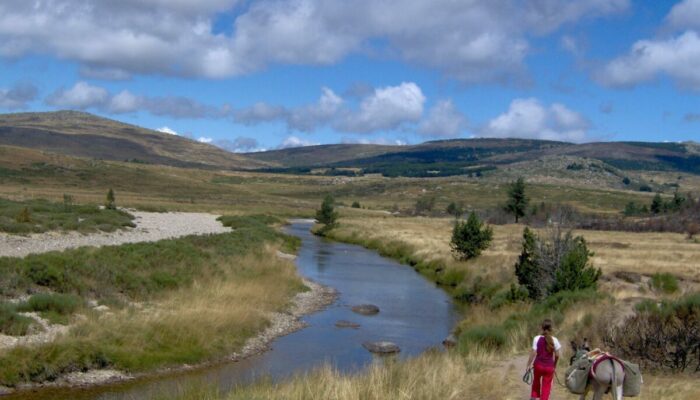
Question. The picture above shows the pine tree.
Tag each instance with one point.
(327, 215)
(470, 238)
(657, 205)
(527, 270)
(517, 200)
(111, 203)
(575, 272)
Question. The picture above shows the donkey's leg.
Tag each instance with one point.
(598, 390)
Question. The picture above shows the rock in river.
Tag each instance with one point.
(366, 309)
(381, 347)
(347, 324)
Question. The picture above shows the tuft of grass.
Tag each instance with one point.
(664, 282)
(12, 323)
(55, 307)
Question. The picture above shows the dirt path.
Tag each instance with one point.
(150, 227)
(512, 370)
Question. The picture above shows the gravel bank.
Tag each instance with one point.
(283, 323)
(150, 227)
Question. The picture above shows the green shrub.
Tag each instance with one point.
(491, 337)
(664, 282)
(63, 304)
(24, 216)
(470, 238)
(356, 204)
(11, 323)
(451, 277)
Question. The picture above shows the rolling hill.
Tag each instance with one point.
(460, 156)
(85, 135)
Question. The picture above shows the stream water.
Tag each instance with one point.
(415, 314)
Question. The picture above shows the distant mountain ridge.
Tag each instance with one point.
(85, 135)
(82, 134)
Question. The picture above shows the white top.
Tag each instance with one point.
(557, 346)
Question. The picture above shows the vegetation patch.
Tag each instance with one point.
(12, 323)
(35, 216)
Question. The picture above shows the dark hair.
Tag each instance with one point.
(547, 332)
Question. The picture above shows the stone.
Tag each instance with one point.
(450, 341)
(347, 324)
(366, 309)
(381, 347)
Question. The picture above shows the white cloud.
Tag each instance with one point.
(386, 109)
(294, 141)
(124, 102)
(444, 120)
(240, 144)
(677, 57)
(167, 130)
(473, 41)
(18, 96)
(307, 119)
(204, 139)
(259, 112)
(530, 119)
(82, 95)
(685, 15)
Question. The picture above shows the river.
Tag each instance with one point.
(415, 314)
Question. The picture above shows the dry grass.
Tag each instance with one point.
(645, 253)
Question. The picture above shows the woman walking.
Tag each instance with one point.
(543, 358)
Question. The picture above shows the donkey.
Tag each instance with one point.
(607, 373)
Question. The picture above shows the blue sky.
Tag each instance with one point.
(262, 74)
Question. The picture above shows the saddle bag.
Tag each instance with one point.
(577, 375)
(632, 386)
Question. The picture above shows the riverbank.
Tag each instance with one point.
(155, 306)
(281, 323)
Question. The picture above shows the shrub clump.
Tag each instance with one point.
(558, 263)
(327, 215)
(664, 282)
(12, 323)
(470, 238)
(662, 336)
(63, 304)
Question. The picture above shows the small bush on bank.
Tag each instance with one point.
(491, 337)
(63, 304)
(664, 282)
(11, 323)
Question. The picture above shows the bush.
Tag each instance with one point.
(63, 304)
(491, 337)
(558, 263)
(664, 282)
(110, 204)
(356, 204)
(470, 238)
(662, 336)
(517, 200)
(425, 205)
(24, 216)
(327, 215)
(12, 323)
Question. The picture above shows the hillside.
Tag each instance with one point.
(470, 156)
(86, 135)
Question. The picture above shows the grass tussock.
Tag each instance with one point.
(37, 216)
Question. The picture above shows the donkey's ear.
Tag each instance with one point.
(574, 346)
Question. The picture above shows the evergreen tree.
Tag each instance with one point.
(455, 209)
(657, 204)
(470, 238)
(575, 272)
(111, 202)
(327, 215)
(517, 200)
(527, 270)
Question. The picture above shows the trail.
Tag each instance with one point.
(512, 370)
(150, 227)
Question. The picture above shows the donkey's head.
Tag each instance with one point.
(580, 351)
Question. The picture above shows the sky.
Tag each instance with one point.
(250, 75)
